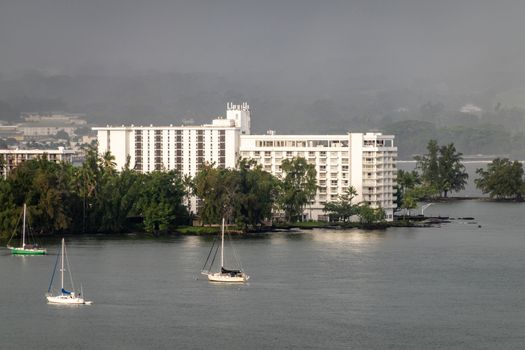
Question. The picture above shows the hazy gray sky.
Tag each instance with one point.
(418, 38)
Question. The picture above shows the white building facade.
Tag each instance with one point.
(364, 161)
(11, 158)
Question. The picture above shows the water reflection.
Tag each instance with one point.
(357, 237)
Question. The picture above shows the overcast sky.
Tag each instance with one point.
(419, 38)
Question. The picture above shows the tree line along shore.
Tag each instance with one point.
(96, 198)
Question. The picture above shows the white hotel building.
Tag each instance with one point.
(366, 161)
(11, 158)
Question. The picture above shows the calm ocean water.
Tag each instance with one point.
(459, 286)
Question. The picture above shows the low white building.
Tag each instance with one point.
(56, 117)
(364, 161)
(45, 128)
(11, 158)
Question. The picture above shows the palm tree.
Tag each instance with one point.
(87, 180)
(107, 163)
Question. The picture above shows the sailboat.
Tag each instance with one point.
(65, 297)
(25, 249)
(223, 275)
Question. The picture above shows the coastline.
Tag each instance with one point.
(414, 221)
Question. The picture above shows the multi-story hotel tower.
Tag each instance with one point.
(366, 161)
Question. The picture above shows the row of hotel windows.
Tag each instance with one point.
(378, 143)
(158, 151)
(320, 143)
(302, 143)
(297, 154)
(379, 154)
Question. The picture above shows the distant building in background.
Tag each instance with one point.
(366, 161)
(49, 124)
(11, 158)
(48, 130)
(55, 117)
(11, 132)
(471, 109)
(44, 129)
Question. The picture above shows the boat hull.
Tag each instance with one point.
(227, 278)
(25, 251)
(67, 300)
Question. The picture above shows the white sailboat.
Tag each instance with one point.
(224, 275)
(65, 297)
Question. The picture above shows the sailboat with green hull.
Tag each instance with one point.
(25, 249)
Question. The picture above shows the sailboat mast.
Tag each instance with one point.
(222, 244)
(62, 267)
(24, 229)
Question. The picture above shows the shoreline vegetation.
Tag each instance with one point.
(212, 230)
(95, 198)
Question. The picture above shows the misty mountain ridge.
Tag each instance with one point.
(314, 104)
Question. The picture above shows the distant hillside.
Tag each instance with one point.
(310, 104)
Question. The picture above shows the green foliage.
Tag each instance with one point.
(441, 168)
(342, 209)
(160, 201)
(43, 186)
(215, 188)
(9, 213)
(502, 179)
(452, 173)
(369, 215)
(297, 188)
(91, 198)
(406, 182)
(62, 135)
(199, 230)
(246, 194)
(256, 193)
